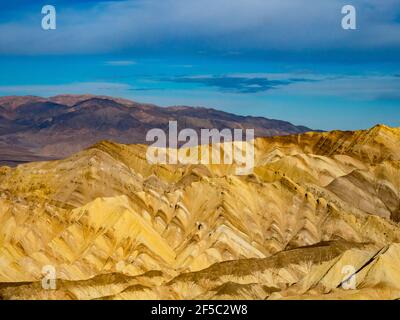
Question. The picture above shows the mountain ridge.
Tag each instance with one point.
(117, 227)
(59, 126)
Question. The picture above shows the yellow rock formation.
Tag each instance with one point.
(114, 226)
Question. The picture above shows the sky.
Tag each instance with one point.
(281, 59)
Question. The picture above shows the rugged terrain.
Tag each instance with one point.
(116, 227)
(34, 128)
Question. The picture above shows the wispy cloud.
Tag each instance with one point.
(238, 83)
(229, 27)
(72, 88)
(354, 87)
(120, 63)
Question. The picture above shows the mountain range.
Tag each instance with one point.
(35, 128)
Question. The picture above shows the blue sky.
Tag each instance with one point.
(283, 59)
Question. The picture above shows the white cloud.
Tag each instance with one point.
(225, 25)
(121, 63)
(101, 88)
(354, 87)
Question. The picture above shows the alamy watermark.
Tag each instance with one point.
(349, 281)
(215, 146)
(349, 21)
(49, 280)
(49, 21)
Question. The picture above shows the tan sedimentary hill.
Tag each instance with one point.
(117, 227)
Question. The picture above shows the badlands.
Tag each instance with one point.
(114, 226)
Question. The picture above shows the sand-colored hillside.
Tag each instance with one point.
(116, 227)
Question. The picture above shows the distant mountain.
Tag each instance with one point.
(34, 128)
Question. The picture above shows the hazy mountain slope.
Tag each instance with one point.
(106, 210)
(59, 126)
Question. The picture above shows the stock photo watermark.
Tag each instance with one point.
(349, 281)
(49, 21)
(348, 22)
(224, 146)
(49, 280)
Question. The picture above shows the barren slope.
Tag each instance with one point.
(116, 227)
